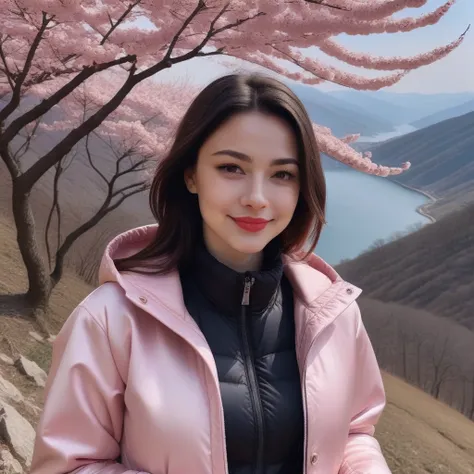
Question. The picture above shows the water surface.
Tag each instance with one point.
(363, 208)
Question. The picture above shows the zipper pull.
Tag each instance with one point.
(248, 282)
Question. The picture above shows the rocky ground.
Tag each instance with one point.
(21, 381)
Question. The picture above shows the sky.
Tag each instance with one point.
(454, 73)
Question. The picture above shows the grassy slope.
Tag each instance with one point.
(421, 435)
(418, 434)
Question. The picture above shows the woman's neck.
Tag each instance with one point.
(235, 260)
(241, 264)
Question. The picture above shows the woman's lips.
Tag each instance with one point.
(250, 224)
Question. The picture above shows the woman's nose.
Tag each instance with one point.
(255, 194)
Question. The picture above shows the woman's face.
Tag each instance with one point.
(247, 182)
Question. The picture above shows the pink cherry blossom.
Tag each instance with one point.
(98, 61)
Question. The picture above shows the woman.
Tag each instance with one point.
(217, 341)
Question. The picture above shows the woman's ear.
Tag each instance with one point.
(189, 179)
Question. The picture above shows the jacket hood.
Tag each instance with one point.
(123, 245)
(309, 277)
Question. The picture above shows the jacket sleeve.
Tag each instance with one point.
(81, 424)
(362, 454)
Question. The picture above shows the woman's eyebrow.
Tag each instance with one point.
(242, 156)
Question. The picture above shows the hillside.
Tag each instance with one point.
(442, 158)
(421, 435)
(418, 434)
(431, 269)
(372, 103)
(424, 104)
(402, 108)
(340, 116)
(445, 114)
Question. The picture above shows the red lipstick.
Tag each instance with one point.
(250, 224)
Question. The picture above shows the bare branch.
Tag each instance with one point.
(44, 106)
(104, 210)
(54, 207)
(133, 168)
(15, 100)
(60, 169)
(26, 145)
(7, 71)
(324, 4)
(139, 190)
(200, 6)
(119, 21)
(233, 25)
(91, 162)
(127, 188)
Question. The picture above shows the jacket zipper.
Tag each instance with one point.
(250, 372)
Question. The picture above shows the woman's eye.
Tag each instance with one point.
(229, 168)
(285, 175)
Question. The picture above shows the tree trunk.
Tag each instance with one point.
(40, 284)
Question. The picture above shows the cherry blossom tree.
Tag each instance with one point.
(134, 138)
(111, 50)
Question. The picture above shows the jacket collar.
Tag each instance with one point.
(224, 287)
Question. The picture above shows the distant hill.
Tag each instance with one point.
(341, 117)
(445, 114)
(402, 108)
(374, 104)
(424, 102)
(442, 158)
(431, 269)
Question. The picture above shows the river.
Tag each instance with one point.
(362, 209)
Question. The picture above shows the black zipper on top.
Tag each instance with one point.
(250, 372)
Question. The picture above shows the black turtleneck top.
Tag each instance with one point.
(248, 322)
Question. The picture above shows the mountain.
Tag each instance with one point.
(341, 117)
(445, 114)
(373, 104)
(402, 108)
(416, 100)
(431, 269)
(442, 158)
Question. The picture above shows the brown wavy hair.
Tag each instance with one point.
(176, 210)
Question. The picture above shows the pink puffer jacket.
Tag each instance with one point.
(133, 386)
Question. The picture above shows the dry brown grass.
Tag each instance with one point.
(418, 434)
